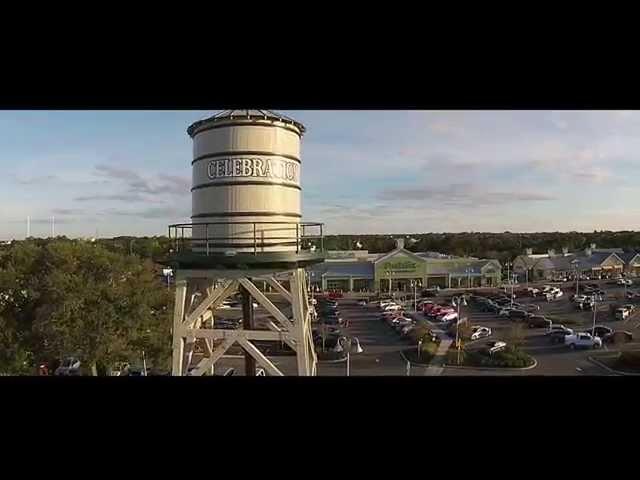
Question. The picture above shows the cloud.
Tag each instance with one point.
(593, 175)
(121, 197)
(37, 180)
(151, 213)
(446, 126)
(47, 221)
(67, 211)
(462, 194)
(138, 185)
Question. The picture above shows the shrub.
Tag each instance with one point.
(511, 357)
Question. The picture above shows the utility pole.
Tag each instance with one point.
(53, 227)
(28, 226)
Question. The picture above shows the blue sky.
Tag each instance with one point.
(129, 172)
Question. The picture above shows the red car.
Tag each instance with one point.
(427, 307)
(441, 310)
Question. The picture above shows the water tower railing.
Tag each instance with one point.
(305, 236)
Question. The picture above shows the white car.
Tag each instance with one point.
(392, 308)
(495, 347)
(582, 339)
(480, 332)
(579, 298)
(449, 317)
(622, 281)
(362, 302)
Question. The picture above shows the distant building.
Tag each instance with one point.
(592, 261)
(359, 270)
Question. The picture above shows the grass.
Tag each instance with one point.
(427, 352)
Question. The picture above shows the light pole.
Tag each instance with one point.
(345, 344)
(457, 301)
(509, 264)
(575, 264)
(415, 284)
(595, 310)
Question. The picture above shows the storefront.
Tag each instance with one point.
(401, 271)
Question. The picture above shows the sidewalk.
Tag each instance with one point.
(435, 366)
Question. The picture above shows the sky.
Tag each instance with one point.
(129, 172)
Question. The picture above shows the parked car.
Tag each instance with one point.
(362, 302)
(618, 336)
(518, 315)
(480, 332)
(578, 298)
(539, 321)
(582, 340)
(70, 367)
(392, 307)
(406, 330)
(531, 307)
(447, 317)
(494, 347)
(622, 281)
(621, 313)
(558, 327)
(400, 323)
(601, 331)
(557, 336)
(587, 304)
(504, 312)
(630, 307)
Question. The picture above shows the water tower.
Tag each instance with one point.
(246, 231)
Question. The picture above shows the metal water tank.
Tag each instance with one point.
(246, 192)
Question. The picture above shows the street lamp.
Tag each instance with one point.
(595, 310)
(456, 301)
(509, 265)
(575, 264)
(415, 284)
(346, 344)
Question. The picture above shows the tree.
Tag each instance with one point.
(69, 297)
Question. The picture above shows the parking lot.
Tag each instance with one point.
(382, 345)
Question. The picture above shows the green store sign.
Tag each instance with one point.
(399, 267)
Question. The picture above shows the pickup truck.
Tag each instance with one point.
(582, 340)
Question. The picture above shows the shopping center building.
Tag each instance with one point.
(401, 270)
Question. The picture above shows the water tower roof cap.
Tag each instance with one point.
(244, 114)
